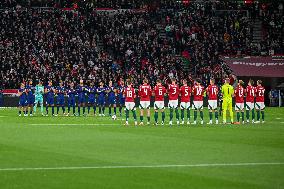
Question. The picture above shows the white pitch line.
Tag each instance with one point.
(69, 124)
(141, 166)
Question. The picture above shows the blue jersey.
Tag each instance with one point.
(111, 93)
(121, 92)
(71, 92)
(30, 90)
(50, 91)
(101, 92)
(60, 91)
(23, 97)
(91, 92)
(81, 90)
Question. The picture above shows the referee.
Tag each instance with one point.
(227, 92)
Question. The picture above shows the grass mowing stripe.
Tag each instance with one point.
(70, 124)
(142, 166)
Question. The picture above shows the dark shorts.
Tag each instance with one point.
(50, 101)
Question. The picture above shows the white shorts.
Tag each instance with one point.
(239, 106)
(159, 105)
(173, 104)
(130, 105)
(249, 105)
(197, 105)
(212, 104)
(185, 105)
(144, 104)
(259, 105)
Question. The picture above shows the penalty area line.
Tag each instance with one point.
(142, 166)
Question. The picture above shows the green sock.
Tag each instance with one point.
(195, 115)
(127, 114)
(210, 115)
(188, 114)
(156, 117)
(258, 115)
(35, 108)
(134, 115)
(238, 116)
(262, 114)
(163, 116)
(247, 114)
(243, 116)
(182, 114)
(201, 115)
(171, 114)
(252, 112)
(216, 115)
(177, 114)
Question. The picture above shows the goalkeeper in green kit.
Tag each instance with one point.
(39, 91)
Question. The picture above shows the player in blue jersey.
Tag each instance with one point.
(71, 92)
(111, 90)
(23, 101)
(92, 97)
(121, 97)
(81, 91)
(30, 96)
(101, 91)
(49, 92)
(60, 100)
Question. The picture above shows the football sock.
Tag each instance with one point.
(171, 114)
(120, 108)
(109, 110)
(31, 111)
(163, 116)
(84, 109)
(127, 114)
(238, 116)
(134, 115)
(243, 116)
(201, 115)
(114, 110)
(156, 117)
(52, 110)
(141, 118)
(89, 109)
(188, 114)
(68, 109)
(41, 108)
(195, 115)
(210, 115)
(177, 114)
(46, 108)
(232, 115)
(224, 115)
(258, 115)
(20, 112)
(73, 109)
(216, 115)
(35, 108)
(262, 115)
(95, 109)
(148, 118)
(247, 114)
(252, 112)
(182, 114)
(100, 110)
(103, 110)
(79, 110)
(57, 109)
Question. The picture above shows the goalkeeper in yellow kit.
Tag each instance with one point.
(227, 92)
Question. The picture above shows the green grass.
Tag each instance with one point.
(23, 145)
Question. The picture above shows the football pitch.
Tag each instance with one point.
(98, 152)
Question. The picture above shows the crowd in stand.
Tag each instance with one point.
(71, 45)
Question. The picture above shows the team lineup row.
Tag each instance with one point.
(91, 97)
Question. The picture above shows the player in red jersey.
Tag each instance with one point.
(130, 96)
(198, 92)
(239, 101)
(145, 93)
(250, 94)
(259, 101)
(159, 93)
(185, 92)
(173, 91)
(212, 93)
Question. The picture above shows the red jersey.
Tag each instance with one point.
(198, 92)
(159, 92)
(239, 94)
(173, 91)
(185, 92)
(259, 94)
(212, 92)
(250, 91)
(129, 93)
(145, 92)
